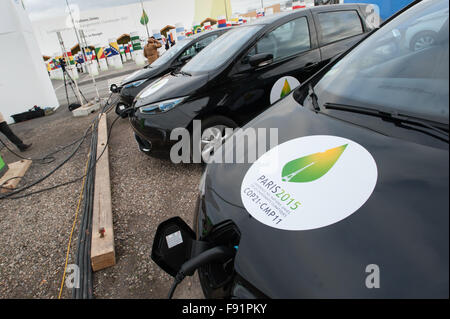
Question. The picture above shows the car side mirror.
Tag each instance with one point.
(172, 245)
(261, 59)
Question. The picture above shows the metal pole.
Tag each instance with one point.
(76, 32)
(73, 23)
(226, 9)
(79, 43)
(66, 58)
(90, 63)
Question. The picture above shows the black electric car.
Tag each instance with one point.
(353, 201)
(173, 59)
(244, 71)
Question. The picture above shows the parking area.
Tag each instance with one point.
(34, 231)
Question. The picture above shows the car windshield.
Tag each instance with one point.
(402, 68)
(218, 52)
(169, 54)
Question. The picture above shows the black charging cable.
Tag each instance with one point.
(216, 254)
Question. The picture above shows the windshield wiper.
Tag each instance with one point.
(407, 121)
(185, 73)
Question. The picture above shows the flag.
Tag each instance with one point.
(109, 52)
(144, 18)
(114, 47)
(100, 53)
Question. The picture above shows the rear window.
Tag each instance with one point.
(339, 25)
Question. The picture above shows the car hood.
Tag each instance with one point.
(143, 74)
(170, 86)
(402, 228)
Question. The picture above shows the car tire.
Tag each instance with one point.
(423, 40)
(213, 123)
(144, 146)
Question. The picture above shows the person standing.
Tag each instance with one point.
(166, 40)
(151, 50)
(4, 128)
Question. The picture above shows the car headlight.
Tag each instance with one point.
(161, 107)
(135, 84)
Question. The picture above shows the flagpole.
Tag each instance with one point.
(146, 25)
(226, 9)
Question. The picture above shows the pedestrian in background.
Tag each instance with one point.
(151, 50)
(4, 128)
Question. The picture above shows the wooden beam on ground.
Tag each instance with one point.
(16, 169)
(102, 244)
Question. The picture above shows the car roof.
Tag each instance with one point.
(273, 18)
(198, 35)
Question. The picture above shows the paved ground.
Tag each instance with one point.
(87, 87)
(34, 231)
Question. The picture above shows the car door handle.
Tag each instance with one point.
(310, 66)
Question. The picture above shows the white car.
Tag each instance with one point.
(423, 32)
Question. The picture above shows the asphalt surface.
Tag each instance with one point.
(34, 231)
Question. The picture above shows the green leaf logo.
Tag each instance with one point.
(286, 89)
(311, 167)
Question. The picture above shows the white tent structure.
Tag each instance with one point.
(24, 81)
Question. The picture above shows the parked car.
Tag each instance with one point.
(239, 75)
(172, 60)
(352, 202)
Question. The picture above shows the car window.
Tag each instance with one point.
(390, 70)
(198, 46)
(339, 25)
(169, 54)
(288, 39)
(221, 50)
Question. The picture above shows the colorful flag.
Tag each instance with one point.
(135, 41)
(109, 52)
(197, 29)
(114, 47)
(70, 58)
(144, 18)
(100, 52)
(222, 21)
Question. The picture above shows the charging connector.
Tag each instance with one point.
(216, 254)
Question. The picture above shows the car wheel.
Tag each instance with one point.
(214, 133)
(423, 40)
(144, 146)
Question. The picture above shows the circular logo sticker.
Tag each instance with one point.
(283, 87)
(309, 182)
(154, 87)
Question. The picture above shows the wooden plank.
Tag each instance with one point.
(102, 244)
(16, 169)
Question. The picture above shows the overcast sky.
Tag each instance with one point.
(39, 9)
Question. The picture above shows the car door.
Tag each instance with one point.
(338, 31)
(295, 55)
(192, 50)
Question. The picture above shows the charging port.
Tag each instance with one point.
(217, 277)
